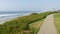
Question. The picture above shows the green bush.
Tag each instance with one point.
(21, 23)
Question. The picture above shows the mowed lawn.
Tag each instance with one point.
(35, 26)
(57, 22)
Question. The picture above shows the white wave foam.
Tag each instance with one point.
(7, 14)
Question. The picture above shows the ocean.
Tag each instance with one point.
(6, 15)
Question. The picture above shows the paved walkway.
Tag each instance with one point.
(48, 26)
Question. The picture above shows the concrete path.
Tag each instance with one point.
(48, 26)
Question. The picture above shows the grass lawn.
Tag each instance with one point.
(36, 26)
(57, 22)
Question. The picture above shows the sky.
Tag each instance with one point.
(29, 5)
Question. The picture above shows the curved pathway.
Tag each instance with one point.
(48, 26)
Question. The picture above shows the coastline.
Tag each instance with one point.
(6, 19)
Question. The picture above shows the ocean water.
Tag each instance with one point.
(7, 15)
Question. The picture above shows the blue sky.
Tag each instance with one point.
(29, 5)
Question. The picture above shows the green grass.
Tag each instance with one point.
(35, 26)
(57, 22)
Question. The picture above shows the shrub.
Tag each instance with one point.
(21, 23)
